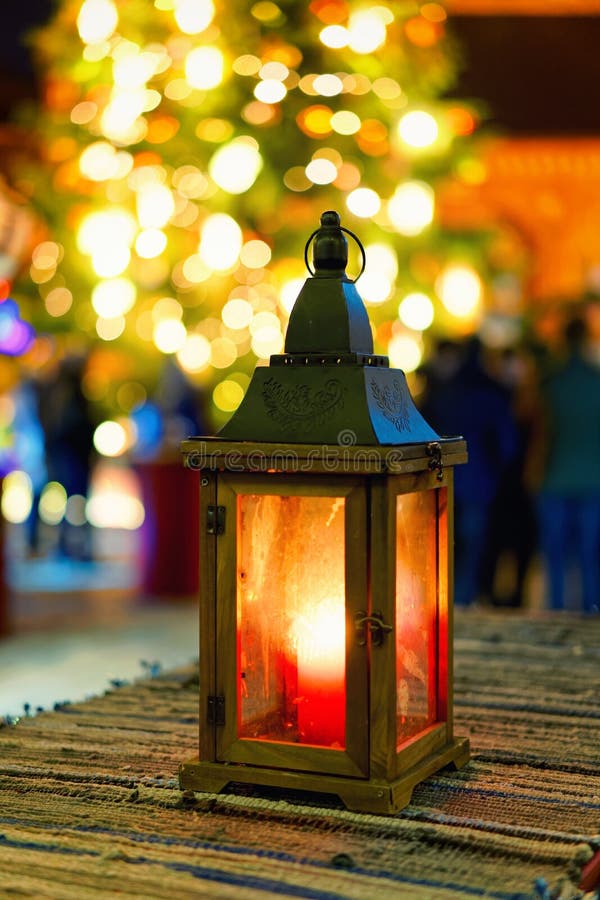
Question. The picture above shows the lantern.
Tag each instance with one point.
(326, 590)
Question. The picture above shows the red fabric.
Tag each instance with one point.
(169, 556)
(590, 876)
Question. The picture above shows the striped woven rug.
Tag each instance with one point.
(90, 806)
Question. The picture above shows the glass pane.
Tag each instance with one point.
(416, 612)
(291, 619)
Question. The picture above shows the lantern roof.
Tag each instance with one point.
(328, 386)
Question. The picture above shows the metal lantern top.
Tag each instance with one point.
(328, 382)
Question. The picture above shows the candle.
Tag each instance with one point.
(319, 636)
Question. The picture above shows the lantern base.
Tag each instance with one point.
(370, 795)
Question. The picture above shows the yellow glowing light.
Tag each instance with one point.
(195, 270)
(266, 11)
(114, 297)
(264, 319)
(114, 498)
(315, 121)
(169, 335)
(258, 113)
(223, 353)
(106, 228)
(98, 162)
(194, 355)
(375, 287)
(288, 293)
(418, 129)
(204, 67)
(97, 21)
(228, 395)
(274, 70)
(120, 119)
(17, 497)
(155, 205)
(108, 262)
(460, 290)
(270, 90)
(321, 171)
(411, 207)
(150, 243)
(58, 302)
(190, 182)
(416, 311)
(53, 503)
(110, 439)
(328, 85)
(47, 255)
(178, 89)
(235, 167)
(110, 329)
(194, 16)
(405, 352)
(366, 30)
(133, 69)
(386, 88)
(255, 254)
(220, 242)
(363, 202)
(167, 308)
(295, 179)
(267, 341)
(334, 36)
(246, 65)
(83, 112)
(382, 258)
(345, 122)
(237, 313)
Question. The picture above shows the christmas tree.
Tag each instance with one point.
(188, 148)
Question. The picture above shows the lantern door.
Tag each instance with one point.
(410, 672)
(291, 580)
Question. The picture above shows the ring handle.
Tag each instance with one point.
(352, 235)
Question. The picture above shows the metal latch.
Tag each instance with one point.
(434, 452)
(374, 625)
(215, 710)
(215, 520)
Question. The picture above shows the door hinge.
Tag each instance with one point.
(215, 710)
(215, 520)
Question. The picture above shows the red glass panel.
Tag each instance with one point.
(291, 619)
(416, 612)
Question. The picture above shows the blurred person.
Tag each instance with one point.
(469, 402)
(511, 540)
(29, 454)
(69, 426)
(567, 456)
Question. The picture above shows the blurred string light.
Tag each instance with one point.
(200, 165)
(418, 129)
(17, 496)
(405, 352)
(16, 335)
(460, 289)
(416, 311)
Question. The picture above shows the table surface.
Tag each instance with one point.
(90, 804)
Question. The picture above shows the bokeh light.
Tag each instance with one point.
(411, 207)
(17, 496)
(459, 288)
(416, 311)
(220, 242)
(236, 166)
(418, 129)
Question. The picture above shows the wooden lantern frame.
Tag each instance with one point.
(371, 773)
